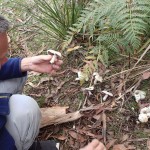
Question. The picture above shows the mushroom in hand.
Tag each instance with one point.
(55, 55)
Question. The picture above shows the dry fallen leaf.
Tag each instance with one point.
(124, 137)
(146, 75)
(43, 79)
(77, 136)
(73, 134)
(131, 147)
(32, 85)
(59, 137)
(73, 49)
(97, 117)
(111, 143)
(20, 20)
(119, 147)
(33, 73)
(148, 144)
(86, 132)
(90, 57)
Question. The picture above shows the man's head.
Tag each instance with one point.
(4, 25)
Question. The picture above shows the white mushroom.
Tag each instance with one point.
(97, 78)
(55, 55)
(91, 88)
(144, 114)
(148, 115)
(143, 118)
(145, 110)
(81, 76)
(106, 95)
(139, 95)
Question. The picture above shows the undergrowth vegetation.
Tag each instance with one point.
(107, 39)
(115, 25)
(111, 28)
(56, 16)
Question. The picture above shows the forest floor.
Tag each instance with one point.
(114, 121)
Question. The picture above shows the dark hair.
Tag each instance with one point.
(4, 24)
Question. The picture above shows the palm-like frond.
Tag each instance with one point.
(56, 16)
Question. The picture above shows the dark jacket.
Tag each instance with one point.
(11, 69)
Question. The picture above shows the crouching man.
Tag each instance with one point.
(20, 114)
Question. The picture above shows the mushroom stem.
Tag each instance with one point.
(53, 59)
(105, 97)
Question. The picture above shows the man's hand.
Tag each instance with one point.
(94, 145)
(40, 64)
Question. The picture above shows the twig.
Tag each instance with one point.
(138, 140)
(132, 57)
(104, 126)
(144, 46)
(86, 95)
(140, 73)
(148, 48)
(84, 102)
(125, 71)
(129, 90)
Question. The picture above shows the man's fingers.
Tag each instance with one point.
(45, 57)
(59, 62)
(94, 143)
(55, 67)
(52, 72)
(100, 147)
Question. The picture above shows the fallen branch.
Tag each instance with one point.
(58, 115)
(53, 120)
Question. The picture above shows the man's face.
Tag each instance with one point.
(3, 48)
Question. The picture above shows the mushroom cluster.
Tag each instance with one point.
(144, 114)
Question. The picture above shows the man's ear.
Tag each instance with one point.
(8, 38)
(3, 42)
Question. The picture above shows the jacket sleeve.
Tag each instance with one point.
(11, 69)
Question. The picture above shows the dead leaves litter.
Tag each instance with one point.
(119, 147)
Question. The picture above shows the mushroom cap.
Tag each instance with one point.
(148, 115)
(91, 88)
(97, 77)
(50, 51)
(139, 95)
(95, 74)
(145, 110)
(107, 93)
(143, 118)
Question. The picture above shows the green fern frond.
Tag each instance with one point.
(112, 24)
